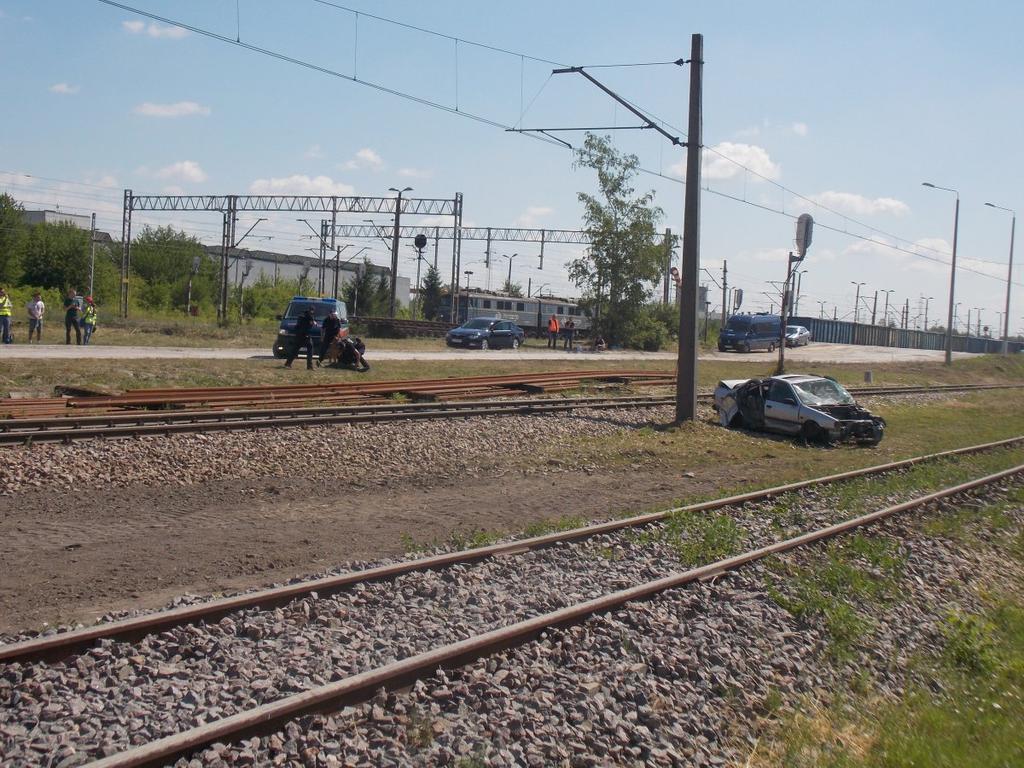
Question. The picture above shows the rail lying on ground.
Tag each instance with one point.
(363, 686)
(120, 423)
(61, 645)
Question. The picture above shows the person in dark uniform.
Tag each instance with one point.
(329, 331)
(352, 353)
(306, 323)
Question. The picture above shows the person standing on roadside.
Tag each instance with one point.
(569, 331)
(36, 309)
(89, 319)
(305, 324)
(72, 310)
(328, 333)
(553, 332)
(6, 310)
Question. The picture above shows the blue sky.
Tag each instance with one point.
(849, 105)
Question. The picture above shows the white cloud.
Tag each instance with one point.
(364, 158)
(717, 165)
(800, 129)
(173, 189)
(858, 205)
(184, 170)
(771, 255)
(532, 215)
(415, 173)
(177, 109)
(64, 89)
(315, 152)
(300, 184)
(137, 27)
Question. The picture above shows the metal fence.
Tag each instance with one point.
(842, 332)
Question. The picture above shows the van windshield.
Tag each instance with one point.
(739, 324)
(320, 308)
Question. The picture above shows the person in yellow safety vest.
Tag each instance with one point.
(6, 310)
(553, 332)
(88, 319)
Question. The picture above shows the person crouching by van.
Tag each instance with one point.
(328, 333)
(553, 332)
(303, 326)
(88, 320)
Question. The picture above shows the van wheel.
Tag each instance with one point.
(484, 345)
(771, 348)
(515, 343)
(744, 347)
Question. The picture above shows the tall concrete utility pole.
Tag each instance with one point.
(394, 248)
(686, 363)
(668, 265)
(725, 293)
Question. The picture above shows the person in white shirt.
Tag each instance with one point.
(36, 310)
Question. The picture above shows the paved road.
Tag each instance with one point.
(816, 353)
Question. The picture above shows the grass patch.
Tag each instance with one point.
(697, 538)
(846, 574)
(967, 707)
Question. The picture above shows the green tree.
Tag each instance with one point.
(430, 294)
(512, 289)
(56, 256)
(163, 258)
(360, 292)
(12, 237)
(622, 266)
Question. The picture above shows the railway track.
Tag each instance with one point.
(412, 656)
(15, 431)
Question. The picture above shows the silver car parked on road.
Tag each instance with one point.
(814, 407)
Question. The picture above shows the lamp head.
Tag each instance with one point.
(927, 184)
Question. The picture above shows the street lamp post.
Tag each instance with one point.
(337, 265)
(508, 282)
(799, 289)
(468, 273)
(394, 248)
(952, 269)
(978, 310)
(856, 301)
(885, 313)
(1009, 277)
(927, 303)
(821, 309)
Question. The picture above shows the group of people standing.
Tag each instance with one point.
(567, 332)
(79, 316)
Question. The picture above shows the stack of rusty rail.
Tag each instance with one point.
(338, 393)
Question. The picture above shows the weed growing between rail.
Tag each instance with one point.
(965, 705)
(839, 586)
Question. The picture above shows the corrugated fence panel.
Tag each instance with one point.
(842, 332)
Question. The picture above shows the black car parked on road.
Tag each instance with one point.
(486, 333)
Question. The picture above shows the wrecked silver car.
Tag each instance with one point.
(814, 407)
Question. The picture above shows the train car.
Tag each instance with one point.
(531, 314)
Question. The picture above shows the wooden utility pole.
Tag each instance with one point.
(686, 363)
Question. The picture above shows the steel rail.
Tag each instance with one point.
(61, 645)
(438, 410)
(364, 686)
(121, 424)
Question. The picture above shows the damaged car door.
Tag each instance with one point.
(781, 408)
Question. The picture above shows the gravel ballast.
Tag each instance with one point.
(120, 694)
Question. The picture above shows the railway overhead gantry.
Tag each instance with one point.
(230, 205)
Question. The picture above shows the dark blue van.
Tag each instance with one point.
(748, 332)
(299, 304)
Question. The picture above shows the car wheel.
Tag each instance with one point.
(721, 348)
(484, 344)
(278, 353)
(771, 347)
(812, 434)
(515, 343)
(743, 347)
